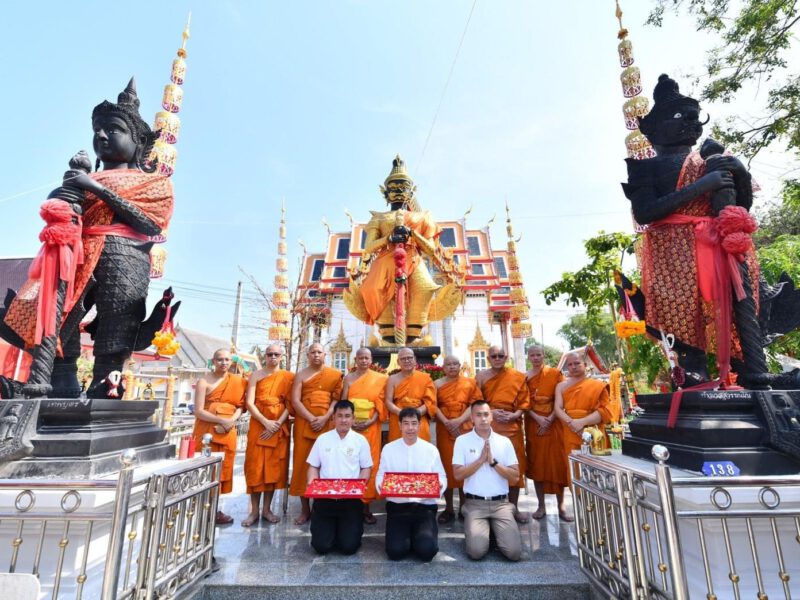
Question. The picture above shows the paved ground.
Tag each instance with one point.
(277, 559)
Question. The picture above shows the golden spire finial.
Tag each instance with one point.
(185, 34)
(623, 33)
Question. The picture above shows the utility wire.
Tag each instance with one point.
(446, 85)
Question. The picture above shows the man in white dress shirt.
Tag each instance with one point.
(486, 462)
(340, 453)
(411, 522)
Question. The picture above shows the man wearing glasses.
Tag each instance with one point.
(410, 389)
(506, 391)
(266, 461)
(487, 464)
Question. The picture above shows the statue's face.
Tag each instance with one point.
(113, 140)
(681, 127)
(398, 191)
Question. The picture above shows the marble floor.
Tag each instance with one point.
(278, 560)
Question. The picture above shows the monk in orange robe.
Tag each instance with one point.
(366, 389)
(218, 403)
(543, 437)
(410, 389)
(315, 390)
(454, 396)
(580, 401)
(505, 390)
(266, 461)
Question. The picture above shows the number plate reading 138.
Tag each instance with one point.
(721, 468)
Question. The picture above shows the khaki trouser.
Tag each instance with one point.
(479, 516)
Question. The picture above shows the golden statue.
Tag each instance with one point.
(393, 286)
(599, 443)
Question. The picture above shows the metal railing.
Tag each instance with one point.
(140, 536)
(642, 534)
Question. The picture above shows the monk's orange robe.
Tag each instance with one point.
(371, 386)
(317, 393)
(414, 391)
(266, 462)
(222, 401)
(452, 399)
(581, 399)
(508, 391)
(545, 463)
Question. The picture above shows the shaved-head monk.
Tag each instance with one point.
(366, 389)
(315, 390)
(506, 392)
(410, 389)
(543, 435)
(454, 396)
(580, 401)
(218, 403)
(266, 461)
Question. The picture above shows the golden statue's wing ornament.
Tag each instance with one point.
(354, 302)
(445, 302)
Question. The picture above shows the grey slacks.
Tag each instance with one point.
(479, 517)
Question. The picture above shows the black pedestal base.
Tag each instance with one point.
(425, 354)
(744, 427)
(82, 439)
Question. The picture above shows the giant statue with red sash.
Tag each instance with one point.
(96, 254)
(701, 292)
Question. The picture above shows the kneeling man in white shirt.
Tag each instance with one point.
(411, 522)
(486, 462)
(340, 453)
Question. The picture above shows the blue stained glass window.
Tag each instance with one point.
(500, 265)
(343, 249)
(448, 237)
(474, 245)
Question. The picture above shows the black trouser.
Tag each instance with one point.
(411, 527)
(336, 524)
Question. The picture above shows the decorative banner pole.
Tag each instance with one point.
(280, 314)
(168, 125)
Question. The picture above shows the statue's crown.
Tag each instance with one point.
(398, 172)
(127, 108)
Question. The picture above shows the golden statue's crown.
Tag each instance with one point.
(398, 172)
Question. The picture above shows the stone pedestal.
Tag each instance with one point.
(752, 429)
(425, 354)
(81, 439)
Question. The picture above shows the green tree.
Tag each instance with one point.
(755, 42)
(778, 247)
(579, 330)
(591, 286)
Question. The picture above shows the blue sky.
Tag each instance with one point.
(310, 101)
